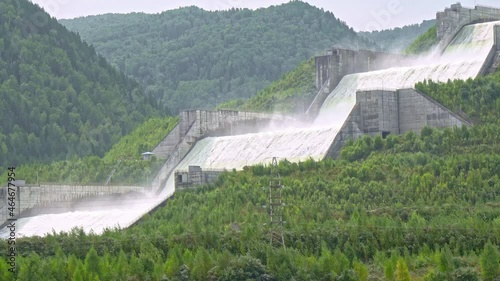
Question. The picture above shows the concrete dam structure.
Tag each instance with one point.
(359, 93)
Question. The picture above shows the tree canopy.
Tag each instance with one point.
(399, 38)
(58, 98)
(424, 42)
(409, 207)
(191, 58)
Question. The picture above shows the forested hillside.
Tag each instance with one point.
(124, 157)
(292, 93)
(399, 38)
(191, 58)
(58, 98)
(411, 207)
(424, 42)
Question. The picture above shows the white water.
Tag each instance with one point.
(235, 152)
(461, 60)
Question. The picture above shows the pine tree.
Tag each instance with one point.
(172, 266)
(202, 264)
(490, 266)
(361, 271)
(92, 262)
(402, 273)
(121, 266)
(79, 274)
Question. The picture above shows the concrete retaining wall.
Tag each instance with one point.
(416, 110)
(349, 131)
(401, 111)
(379, 111)
(195, 177)
(28, 197)
(384, 112)
(196, 124)
(337, 63)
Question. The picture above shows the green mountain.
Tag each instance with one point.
(424, 42)
(292, 93)
(58, 98)
(191, 58)
(124, 158)
(398, 39)
(424, 206)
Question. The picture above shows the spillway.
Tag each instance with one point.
(463, 59)
(235, 152)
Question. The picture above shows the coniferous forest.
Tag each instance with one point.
(58, 98)
(190, 58)
(411, 207)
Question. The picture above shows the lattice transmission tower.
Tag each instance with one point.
(275, 207)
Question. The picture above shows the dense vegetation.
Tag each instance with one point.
(424, 42)
(290, 94)
(479, 97)
(58, 99)
(124, 158)
(399, 38)
(191, 58)
(410, 207)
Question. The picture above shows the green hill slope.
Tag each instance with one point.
(424, 42)
(58, 98)
(191, 58)
(292, 93)
(424, 206)
(399, 38)
(124, 157)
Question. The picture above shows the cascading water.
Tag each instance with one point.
(462, 59)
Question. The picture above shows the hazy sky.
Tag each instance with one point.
(360, 14)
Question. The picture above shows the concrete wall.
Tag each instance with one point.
(401, 111)
(337, 63)
(492, 62)
(383, 112)
(349, 131)
(322, 69)
(379, 112)
(165, 147)
(196, 124)
(28, 197)
(451, 20)
(416, 110)
(195, 177)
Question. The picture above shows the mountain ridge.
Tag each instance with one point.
(209, 57)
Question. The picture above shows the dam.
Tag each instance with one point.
(359, 93)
